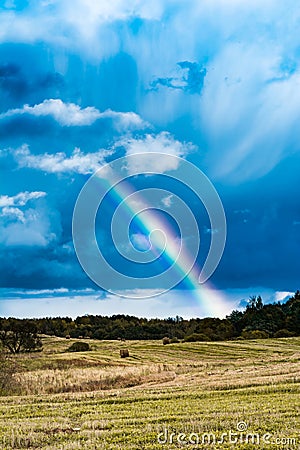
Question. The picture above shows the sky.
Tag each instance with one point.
(83, 83)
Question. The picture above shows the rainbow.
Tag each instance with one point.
(206, 299)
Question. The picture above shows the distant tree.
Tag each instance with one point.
(236, 318)
(255, 303)
(292, 311)
(19, 336)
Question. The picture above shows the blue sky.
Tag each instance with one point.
(216, 82)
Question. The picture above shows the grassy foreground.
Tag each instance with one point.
(223, 395)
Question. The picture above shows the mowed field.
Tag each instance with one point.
(223, 395)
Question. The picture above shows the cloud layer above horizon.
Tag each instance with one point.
(216, 82)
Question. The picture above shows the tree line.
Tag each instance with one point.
(256, 321)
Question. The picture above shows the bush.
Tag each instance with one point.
(8, 384)
(174, 340)
(166, 340)
(79, 347)
(255, 334)
(197, 337)
(283, 333)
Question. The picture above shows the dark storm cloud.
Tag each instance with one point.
(24, 78)
(262, 242)
(12, 81)
(190, 78)
(46, 270)
(15, 83)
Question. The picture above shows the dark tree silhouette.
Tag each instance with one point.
(19, 335)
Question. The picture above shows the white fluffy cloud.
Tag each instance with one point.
(13, 213)
(159, 148)
(125, 121)
(167, 201)
(21, 225)
(78, 162)
(31, 228)
(20, 199)
(70, 114)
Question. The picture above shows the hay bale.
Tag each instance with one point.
(124, 353)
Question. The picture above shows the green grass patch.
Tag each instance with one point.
(96, 400)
